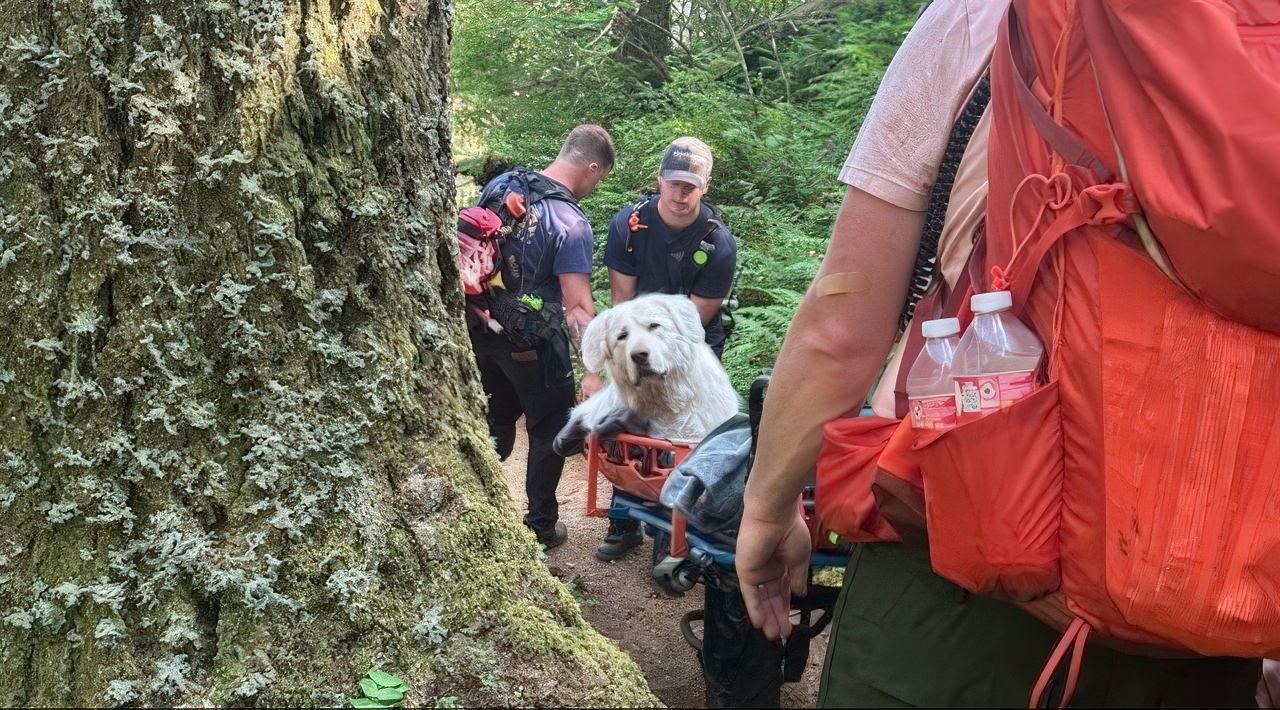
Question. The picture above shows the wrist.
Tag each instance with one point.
(769, 507)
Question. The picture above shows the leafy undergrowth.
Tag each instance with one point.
(525, 73)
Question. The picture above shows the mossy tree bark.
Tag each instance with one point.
(243, 457)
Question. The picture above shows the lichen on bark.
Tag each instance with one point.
(243, 457)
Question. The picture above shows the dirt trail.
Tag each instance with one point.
(621, 601)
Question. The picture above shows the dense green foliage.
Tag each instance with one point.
(525, 73)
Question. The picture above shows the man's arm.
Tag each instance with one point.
(622, 288)
(836, 345)
(707, 307)
(579, 309)
(579, 306)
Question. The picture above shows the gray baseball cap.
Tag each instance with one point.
(687, 159)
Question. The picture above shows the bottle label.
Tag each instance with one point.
(980, 395)
(937, 412)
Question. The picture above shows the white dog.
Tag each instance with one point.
(664, 380)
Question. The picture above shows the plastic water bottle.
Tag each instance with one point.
(930, 388)
(995, 362)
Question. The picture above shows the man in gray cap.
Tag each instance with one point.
(671, 242)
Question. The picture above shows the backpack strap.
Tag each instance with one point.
(940, 197)
(633, 221)
(1058, 138)
(713, 224)
(534, 187)
(634, 225)
(539, 187)
(1101, 203)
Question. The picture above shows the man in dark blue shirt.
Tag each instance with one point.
(549, 258)
(671, 243)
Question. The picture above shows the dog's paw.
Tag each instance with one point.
(623, 419)
(570, 440)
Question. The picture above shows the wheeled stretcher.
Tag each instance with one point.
(740, 666)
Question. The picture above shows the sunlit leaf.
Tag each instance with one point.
(385, 680)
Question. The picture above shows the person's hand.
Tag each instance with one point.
(773, 564)
(590, 385)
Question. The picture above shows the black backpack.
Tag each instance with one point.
(533, 320)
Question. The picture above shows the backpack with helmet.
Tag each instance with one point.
(530, 320)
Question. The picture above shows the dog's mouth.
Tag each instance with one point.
(641, 374)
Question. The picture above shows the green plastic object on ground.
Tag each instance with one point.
(380, 690)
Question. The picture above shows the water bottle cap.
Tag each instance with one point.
(990, 302)
(940, 328)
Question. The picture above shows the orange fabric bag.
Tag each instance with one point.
(868, 484)
(1169, 503)
(851, 449)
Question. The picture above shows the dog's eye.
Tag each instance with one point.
(654, 326)
(622, 336)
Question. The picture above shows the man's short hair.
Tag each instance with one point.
(588, 144)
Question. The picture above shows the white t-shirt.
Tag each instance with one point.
(901, 142)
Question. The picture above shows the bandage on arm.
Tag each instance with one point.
(836, 345)
(843, 282)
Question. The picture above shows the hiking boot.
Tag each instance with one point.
(554, 537)
(623, 535)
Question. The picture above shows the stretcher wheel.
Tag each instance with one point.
(675, 574)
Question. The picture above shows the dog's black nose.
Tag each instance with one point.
(640, 357)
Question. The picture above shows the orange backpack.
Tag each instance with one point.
(1136, 494)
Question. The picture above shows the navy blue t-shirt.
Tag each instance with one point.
(555, 239)
(698, 260)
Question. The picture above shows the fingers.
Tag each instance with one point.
(772, 565)
(751, 600)
(769, 608)
(778, 611)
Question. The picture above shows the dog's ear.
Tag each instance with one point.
(594, 339)
(685, 315)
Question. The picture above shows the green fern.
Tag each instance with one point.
(757, 337)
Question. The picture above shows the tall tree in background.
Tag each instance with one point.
(642, 34)
(242, 457)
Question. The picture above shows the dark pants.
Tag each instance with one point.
(903, 636)
(513, 381)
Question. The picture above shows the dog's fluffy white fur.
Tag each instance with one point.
(658, 365)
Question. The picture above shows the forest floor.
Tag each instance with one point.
(622, 602)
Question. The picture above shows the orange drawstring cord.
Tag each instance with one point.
(1060, 197)
(1059, 78)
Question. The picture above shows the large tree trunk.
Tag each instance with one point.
(243, 457)
(642, 37)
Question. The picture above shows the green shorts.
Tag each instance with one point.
(902, 636)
